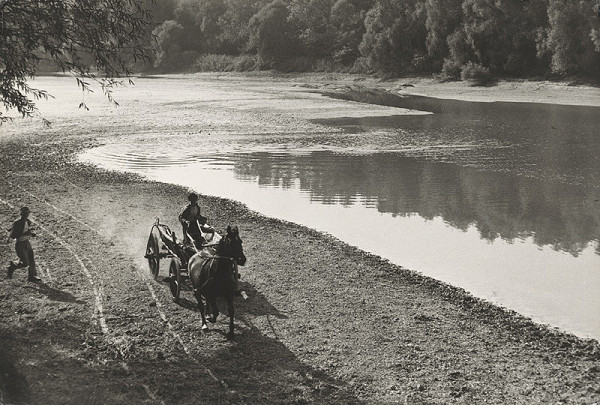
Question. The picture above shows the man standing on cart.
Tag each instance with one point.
(194, 224)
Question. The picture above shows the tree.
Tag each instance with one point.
(233, 23)
(315, 31)
(200, 19)
(168, 53)
(443, 19)
(271, 34)
(109, 33)
(161, 11)
(395, 36)
(570, 38)
(459, 53)
(502, 34)
(347, 20)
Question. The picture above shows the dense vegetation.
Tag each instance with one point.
(469, 39)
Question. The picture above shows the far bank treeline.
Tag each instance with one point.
(466, 39)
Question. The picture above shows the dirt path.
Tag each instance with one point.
(325, 323)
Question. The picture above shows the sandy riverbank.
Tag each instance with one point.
(325, 323)
(523, 91)
(509, 91)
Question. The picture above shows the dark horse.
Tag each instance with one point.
(213, 273)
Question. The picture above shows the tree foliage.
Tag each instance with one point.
(347, 20)
(443, 18)
(315, 31)
(507, 37)
(201, 19)
(168, 52)
(97, 40)
(570, 39)
(271, 33)
(395, 35)
(234, 24)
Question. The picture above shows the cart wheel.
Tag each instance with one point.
(153, 254)
(175, 278)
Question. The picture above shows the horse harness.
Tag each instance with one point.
(206, 264)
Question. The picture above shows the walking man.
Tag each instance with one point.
(21, 231)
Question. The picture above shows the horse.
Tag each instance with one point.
(213, 273)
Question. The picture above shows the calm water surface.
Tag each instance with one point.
(501, 199)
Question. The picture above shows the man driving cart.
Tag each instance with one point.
(195, 227)
(194, 224)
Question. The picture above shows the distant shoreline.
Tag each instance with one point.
(511, 91)
(517, 90)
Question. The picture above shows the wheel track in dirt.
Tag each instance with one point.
(98, 290)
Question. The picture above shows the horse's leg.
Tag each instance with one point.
(195, 274)
(212, 301)
(230, 335)
(202, 309)
(208, 308)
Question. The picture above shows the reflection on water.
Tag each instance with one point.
(504, 204)
(498, 205)
(546, 141)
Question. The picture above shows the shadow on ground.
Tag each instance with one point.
(258, 368)
(54, 294)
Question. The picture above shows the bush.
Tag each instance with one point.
(420, 63)
(361, 66)
(451, 70)
(245, 63)
(345, 56)
(188, 58)
(300, 64)
(304, 64)
(225, 63)
(476, 74)
(326, 65)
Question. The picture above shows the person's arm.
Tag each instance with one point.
(30, 230)
(15, 232)
(199, 217)
(202, 220)
(183, 217)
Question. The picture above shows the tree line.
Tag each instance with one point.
(452, 38)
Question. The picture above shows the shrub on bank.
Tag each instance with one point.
(305, 64)
(476, 74)
(225, 63)
(245, 63)
(296, 65)
(451, 70)
(361, 66)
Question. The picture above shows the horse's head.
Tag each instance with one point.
(231, 246)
